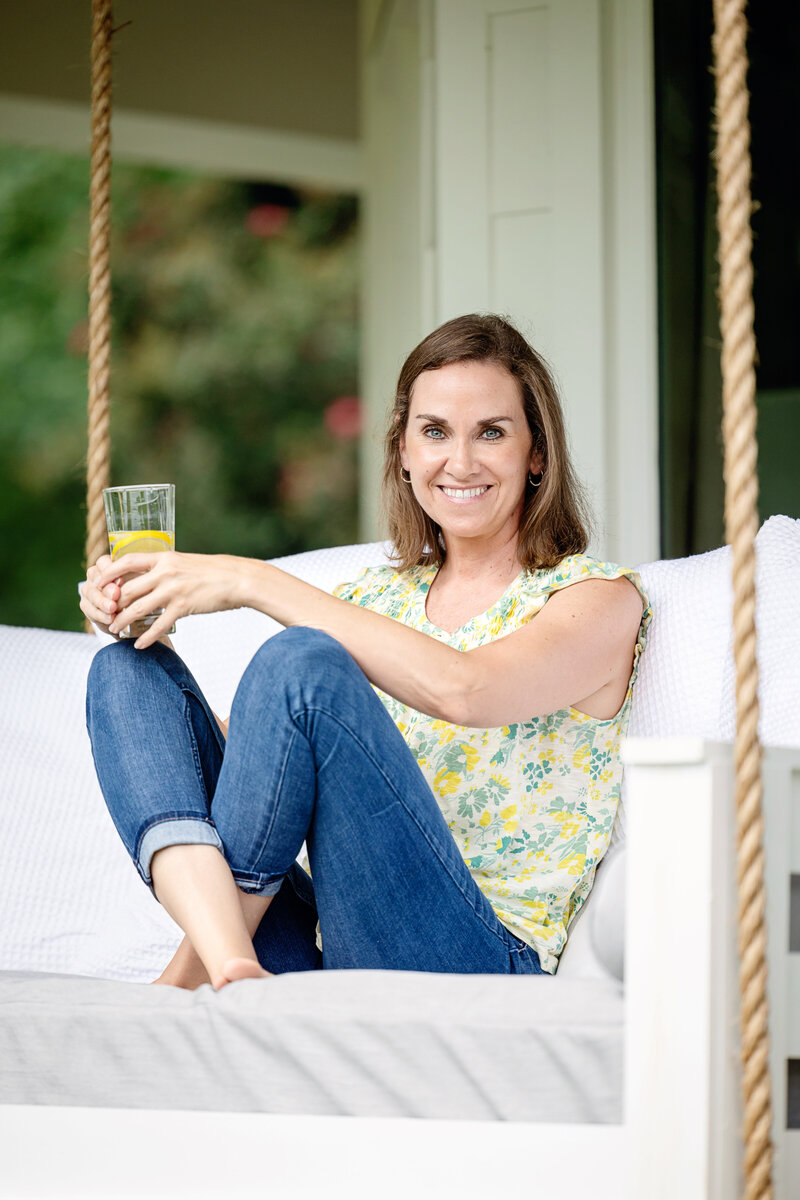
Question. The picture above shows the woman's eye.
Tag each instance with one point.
(492, 434)
(433, 431)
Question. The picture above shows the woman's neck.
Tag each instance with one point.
(466, 561)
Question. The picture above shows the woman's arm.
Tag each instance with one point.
(577, 652)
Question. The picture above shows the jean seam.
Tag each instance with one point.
(407, 810)
(198, 766)
(279, 788)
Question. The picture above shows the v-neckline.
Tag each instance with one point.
(434, 571)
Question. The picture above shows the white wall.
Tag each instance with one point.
(508, 167)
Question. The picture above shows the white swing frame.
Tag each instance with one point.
(681, 1134)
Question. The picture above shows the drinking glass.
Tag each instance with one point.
(140, 520)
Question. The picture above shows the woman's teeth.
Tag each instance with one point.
(465, 493)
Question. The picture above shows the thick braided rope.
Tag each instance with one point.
(98, 457)
(741, 525)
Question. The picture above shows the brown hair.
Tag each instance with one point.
(554, 520)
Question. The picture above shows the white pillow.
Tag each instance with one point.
(683, 667)
(682, 670)
(778, 634)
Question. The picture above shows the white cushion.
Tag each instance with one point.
(778, 632)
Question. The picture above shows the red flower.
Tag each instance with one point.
(342, 417)
(267, 220)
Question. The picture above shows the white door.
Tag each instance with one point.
(531, 196)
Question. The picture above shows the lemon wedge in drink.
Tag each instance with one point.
(142, 541)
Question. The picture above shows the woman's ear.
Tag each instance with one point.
(403, 455)
(537, 462)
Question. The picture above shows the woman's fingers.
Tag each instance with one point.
(97, 615)
(130, 564)
(157, 630)
(135, 608)
(104, 599)
(99, 601)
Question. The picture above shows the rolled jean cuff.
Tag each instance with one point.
(257, 883)
(183, 831)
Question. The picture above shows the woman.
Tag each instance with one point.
(454, 811)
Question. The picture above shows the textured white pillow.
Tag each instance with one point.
(778, 633)
(682, 669)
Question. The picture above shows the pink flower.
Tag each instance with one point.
(267, 220)
(342, 417)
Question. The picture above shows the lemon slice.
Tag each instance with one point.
(142, 541)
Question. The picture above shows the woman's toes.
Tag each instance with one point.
(240, 968)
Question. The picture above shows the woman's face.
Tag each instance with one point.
(468, 450)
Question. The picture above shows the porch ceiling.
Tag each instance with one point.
(283, 65)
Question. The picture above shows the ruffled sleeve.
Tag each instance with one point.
(367, 587)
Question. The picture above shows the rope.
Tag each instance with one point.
(741, 525)
(98, 456)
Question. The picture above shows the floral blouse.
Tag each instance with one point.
(530, 805)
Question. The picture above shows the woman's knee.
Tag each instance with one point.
(120, 661)
(297, 658)
(110, 665)
(300, 650)
(120, 674)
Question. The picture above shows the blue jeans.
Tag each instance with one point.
(312, 755)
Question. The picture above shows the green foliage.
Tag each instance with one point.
(233, 367)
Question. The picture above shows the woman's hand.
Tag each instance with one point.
(181, 584)
(99, 601)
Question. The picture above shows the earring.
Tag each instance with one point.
(535, 483)
(402, 476)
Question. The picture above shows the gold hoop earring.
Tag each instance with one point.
(402, 476)
(535, 483)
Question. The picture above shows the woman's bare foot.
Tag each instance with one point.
(240, 968)
(195, 885)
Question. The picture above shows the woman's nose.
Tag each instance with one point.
(461, 460)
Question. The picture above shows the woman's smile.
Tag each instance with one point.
(461, 494)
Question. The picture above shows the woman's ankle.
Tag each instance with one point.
(188, 978)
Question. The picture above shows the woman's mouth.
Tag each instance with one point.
(464, 493)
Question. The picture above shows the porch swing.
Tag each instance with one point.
(678, 1131)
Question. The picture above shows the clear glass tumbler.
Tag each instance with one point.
(140, 520)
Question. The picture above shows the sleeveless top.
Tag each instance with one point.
(530, 805)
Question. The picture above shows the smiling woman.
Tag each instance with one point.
(454, 720)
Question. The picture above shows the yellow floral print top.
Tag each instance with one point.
(532, 805)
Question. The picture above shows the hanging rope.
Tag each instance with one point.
(98, 457)
(741, 526)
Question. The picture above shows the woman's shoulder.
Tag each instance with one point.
(576, 568)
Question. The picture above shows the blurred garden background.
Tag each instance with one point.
(234, 366)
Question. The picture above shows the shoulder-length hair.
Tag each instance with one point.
(554, 520)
